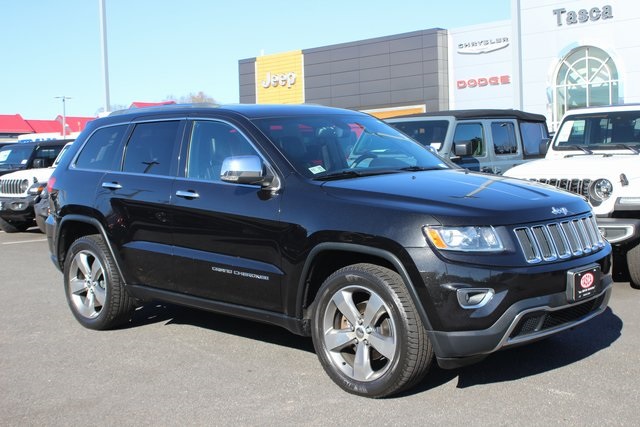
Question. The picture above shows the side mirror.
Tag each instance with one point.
(244, 170)
(39, 163)
(463, 148)
(544, 145)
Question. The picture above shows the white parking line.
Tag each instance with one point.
(24, 241)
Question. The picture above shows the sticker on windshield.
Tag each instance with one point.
(317, 169)
(24, 162)
(4, 155)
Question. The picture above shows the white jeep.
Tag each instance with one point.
(19, 192)
(596, 153)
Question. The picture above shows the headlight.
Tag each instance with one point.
(601, 190)
(36, 188)
(465, 239)
(24, 185)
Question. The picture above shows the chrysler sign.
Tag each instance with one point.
(483, 46)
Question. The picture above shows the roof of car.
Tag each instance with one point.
(47, 143)
(605, 109)
(479, 114)
(251, 111)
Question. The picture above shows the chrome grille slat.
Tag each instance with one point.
(568, 238)
(10, 186)
(577, 186)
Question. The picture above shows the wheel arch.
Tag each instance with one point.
(74, 226)
(322, 262)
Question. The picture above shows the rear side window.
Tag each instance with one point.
(151, 147)
(534, 136)
(504, 138)
(99, 151)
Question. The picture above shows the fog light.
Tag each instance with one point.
(472, 298)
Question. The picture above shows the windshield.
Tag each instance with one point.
(599, 131)
(14, 156)
(345, 146)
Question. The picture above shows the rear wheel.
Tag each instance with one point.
(367, 333)
(633, 263)
(93, 286)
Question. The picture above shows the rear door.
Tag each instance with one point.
(135, 200)
(227, 236)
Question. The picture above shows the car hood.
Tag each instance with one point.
(457, 197)
(592, 166)
(38, 173)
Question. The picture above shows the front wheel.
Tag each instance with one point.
(93, 286)
(633, 263)
(367, 333)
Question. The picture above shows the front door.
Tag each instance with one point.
(226, 236)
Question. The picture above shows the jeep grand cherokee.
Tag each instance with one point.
(386, 258)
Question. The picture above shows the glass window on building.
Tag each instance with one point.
(586, 77)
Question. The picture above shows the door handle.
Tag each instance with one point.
(111, 185)
(187, 194)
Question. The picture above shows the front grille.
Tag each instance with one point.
(541, 321)
(565, 239)
(577, 186)
(10, 186)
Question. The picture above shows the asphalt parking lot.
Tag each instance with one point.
(175, 366)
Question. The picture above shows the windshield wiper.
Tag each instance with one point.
(628, 147)
(581, 148)
(352, 173)
(420, 168)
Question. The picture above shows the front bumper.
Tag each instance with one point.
(619, 231)
(526, 321)
(17, 208)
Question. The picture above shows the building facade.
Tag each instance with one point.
(551, 56)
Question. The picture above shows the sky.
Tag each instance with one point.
(161, 49)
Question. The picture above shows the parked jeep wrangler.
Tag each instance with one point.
(20, 191)
(596, 153)
(385, 258)
(479, 140)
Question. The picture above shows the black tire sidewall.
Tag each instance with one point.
(633, 265)
(89, 244)
(360, 277)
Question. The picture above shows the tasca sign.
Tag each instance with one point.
(482, 46)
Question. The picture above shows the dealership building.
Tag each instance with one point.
(552, 56)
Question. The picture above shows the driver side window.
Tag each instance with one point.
(210, 143)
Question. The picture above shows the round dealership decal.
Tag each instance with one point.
(587, 281)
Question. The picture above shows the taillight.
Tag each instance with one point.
(50, 184)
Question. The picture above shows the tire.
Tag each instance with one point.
(367, 333)
(40, 221)
(13, 226)
(633, 264)
(93, 287)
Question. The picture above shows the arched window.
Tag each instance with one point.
(586, 77)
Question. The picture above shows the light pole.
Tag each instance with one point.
(64, 114)
(105, 61)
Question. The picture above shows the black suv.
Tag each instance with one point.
(327, 222)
